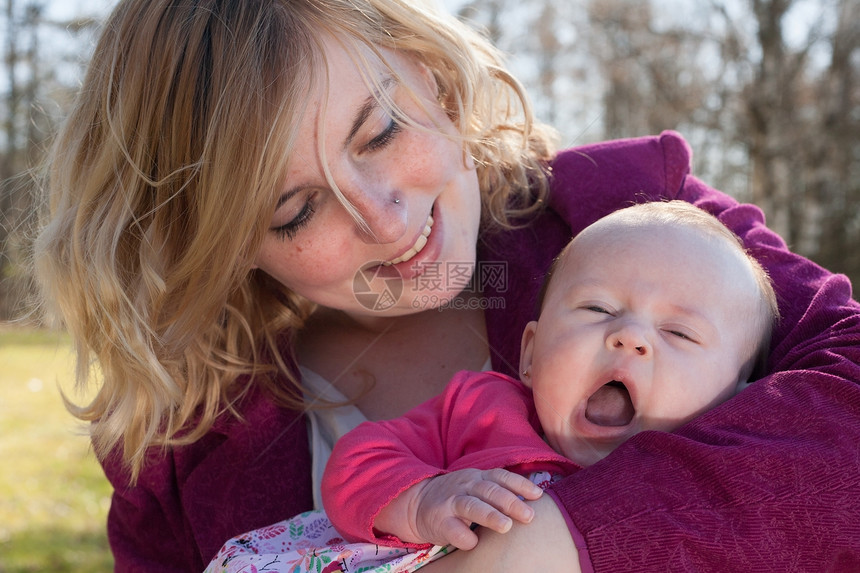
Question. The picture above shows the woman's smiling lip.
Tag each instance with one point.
(417, 247)
(420, 256)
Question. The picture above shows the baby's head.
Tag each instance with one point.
(649, 317)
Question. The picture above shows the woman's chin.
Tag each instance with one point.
(438, 299)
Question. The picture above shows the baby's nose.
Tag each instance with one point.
(630, 337)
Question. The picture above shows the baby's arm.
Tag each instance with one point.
(481, 420)
(440, 509)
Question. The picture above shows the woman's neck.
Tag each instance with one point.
(391, 364)
(378, 323)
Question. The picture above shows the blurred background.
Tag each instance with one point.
(767, 92)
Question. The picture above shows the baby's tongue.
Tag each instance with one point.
(610, 406)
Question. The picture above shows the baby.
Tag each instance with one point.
(650, 317)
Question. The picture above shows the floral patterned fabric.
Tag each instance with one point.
(308, 543)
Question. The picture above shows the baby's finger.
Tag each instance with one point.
(473, 510)
(513, 482)
(502, 500)
(458, 534)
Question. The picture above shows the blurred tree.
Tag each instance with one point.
(798, 116)
(652, 80)
(544, 42)
(766, 91)
(39, 84)
(832, 174)
(19, 125)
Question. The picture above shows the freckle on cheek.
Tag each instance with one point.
(299, 249)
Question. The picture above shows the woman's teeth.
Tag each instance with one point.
(417, 247)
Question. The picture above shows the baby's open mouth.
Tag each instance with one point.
(610, 405)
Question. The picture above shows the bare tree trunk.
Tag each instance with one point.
(769, 105)
(548, 54)
(834, 169)
(8, 159)
(26, 130)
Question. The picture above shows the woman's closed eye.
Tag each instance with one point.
(385, 137)
(289, 229)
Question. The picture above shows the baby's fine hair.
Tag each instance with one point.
(163, 181)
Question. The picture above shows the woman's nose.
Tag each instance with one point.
(380, 213)
(629, 337)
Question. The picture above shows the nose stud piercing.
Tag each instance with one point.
(397, 201)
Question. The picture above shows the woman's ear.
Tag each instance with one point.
(429, 79)
(526, 352)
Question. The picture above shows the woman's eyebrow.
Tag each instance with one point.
(371, 103)
(287, 195)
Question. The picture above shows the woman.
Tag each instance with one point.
(262, 209)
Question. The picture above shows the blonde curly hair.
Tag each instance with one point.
(161, 184)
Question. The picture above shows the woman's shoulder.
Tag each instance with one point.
(243, 473)
(667, 153)
(590, 181)
(258, 422)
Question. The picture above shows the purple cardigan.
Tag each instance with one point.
(767, 480)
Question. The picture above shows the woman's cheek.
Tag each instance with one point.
(428, 160)
(302, 264)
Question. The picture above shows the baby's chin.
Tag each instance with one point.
(585, 452)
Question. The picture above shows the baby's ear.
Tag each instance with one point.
(526, 352)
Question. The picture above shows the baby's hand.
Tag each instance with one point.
(445, 506)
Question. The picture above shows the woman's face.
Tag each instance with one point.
(418, 197)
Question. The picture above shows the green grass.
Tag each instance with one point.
(53, 495)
